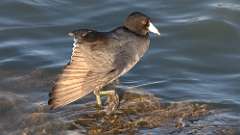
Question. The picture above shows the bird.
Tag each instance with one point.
(100, 58)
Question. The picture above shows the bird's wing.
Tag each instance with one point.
(91, 67)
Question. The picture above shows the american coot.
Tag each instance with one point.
(99, 58)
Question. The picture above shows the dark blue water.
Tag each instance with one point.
(196, 58)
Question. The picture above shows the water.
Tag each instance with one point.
(196, 58)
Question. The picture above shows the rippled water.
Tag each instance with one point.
(197, 58)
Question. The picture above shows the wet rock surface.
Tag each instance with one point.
(139, 113)
(143, 113)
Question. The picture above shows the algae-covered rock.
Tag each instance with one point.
(141, 112)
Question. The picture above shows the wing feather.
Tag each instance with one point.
(86, 72)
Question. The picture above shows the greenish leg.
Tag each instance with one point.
(98, 98)
(109, 92)
(113, 100)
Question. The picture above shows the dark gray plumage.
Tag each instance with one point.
(99, 58)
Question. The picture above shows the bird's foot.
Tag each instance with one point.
(112, 100)
(113, 103)
(98, 107)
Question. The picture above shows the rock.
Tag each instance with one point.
(143, 111)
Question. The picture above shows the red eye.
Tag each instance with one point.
(144, 22)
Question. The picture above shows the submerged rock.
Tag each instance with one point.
(143, 112)
(139, 113)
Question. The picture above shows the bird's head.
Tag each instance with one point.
(139, 23)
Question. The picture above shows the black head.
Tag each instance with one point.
(139, 23)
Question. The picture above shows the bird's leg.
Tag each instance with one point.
(113, 100)
(98, 98)
(107, 92)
